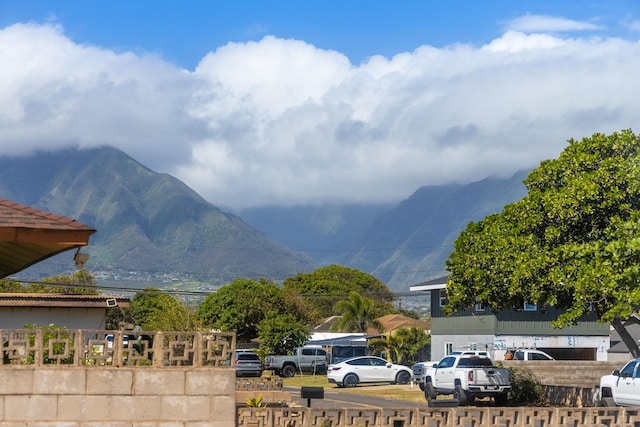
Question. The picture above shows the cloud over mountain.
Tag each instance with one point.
(279, 121)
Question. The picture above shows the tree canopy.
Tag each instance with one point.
(240, 306)
(154, 310)
(356, 314)
(324, 287)
(573, 242)
(281, 333)
(405, 345)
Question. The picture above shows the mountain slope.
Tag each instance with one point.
(145, 221)
(328, 233)
(410, 244)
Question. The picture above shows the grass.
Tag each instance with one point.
(386, 390)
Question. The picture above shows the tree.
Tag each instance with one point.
(154, 310)
(357, 314)
(324, 287)
(404, 345)
(281, 333)
(413, 344)
(389, 345)
(80, 282)
(11, 286)
(240, 306)
(573, 242)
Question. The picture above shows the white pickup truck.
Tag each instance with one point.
(622, 387)
(467, 378)
(420, 369)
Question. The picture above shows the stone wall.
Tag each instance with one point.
(117, 397)
(445, 417)
(95, 378)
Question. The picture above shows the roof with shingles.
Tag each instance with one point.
(393, 322)
(29, 235)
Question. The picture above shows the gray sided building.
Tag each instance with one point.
(478, 328)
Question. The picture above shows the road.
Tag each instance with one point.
(337, 400)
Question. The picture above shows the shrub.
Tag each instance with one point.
(525, 387)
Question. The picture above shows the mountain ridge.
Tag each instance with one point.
(144, 220)
(153, 223)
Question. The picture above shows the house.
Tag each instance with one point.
(66, 311)
(28, 236)
(393, 322)
(478, 328)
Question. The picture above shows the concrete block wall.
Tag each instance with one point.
(117, 397)
(575, 373)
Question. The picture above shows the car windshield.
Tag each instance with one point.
(475, 361)
(248, 357)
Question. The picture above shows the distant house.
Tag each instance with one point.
(393, 322)
(67, 311)
(478, 328)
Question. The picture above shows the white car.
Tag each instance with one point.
(367, 369)
(531, 355)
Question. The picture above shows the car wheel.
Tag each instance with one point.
(607, 402)
(500, 399)
(421, 385)
(461, 395)
(351, 380)
(403, 377)
(288, 371)
(429, 391)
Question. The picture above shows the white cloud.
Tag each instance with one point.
(634, 25)
(544, 24)
(280, 121)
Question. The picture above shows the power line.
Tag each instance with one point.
(200, 293)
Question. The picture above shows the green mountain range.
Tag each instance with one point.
(152, 225)
(146, 222)
(403, 244)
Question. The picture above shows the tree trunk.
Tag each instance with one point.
(631, 344)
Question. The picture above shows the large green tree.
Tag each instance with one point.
(573, 242)
(240, 306)
(281, 333)
(324, 287)
(154, 310)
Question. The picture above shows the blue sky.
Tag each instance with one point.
(273, 102)
(183, 32)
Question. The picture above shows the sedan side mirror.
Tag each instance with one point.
(616, 373)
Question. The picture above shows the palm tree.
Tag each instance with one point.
(357, 314)
(390, 345)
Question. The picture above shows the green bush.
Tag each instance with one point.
(525, 387)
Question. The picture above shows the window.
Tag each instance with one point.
(378, 362)
(530, 307)
(448, 348)
(443, 298)
(313, 351)
(627, 371)
(447, 362)
(478, 307)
